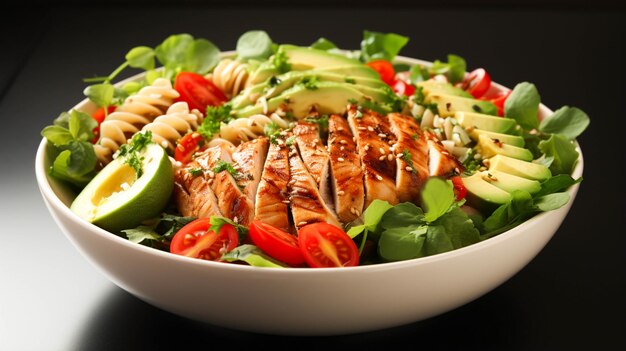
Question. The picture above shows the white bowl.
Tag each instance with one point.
(302, 301)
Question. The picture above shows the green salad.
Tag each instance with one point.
(282, 155)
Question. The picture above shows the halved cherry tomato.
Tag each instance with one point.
(499, 100)
(195, 240)
(324, 245)
(384, 69)
(477, 82)
(403, 88)
(197, 91)
(187, 146)
(276, 243)
(99, 117)
(459, 188)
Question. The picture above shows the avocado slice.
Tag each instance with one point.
(273, 87)
(520, 168)
(435, 87)
(115, 199)
(486, 122)
(489, 147)
(327, 97)
(510, 183)
(447, 105)
(514, 140)
(301, 58)
(482, 194)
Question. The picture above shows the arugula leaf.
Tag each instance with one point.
(215, 115)
(253, 256)
(551, 201)
(567, 121)
(371, 217)
(159, 233)
(557, 183)
(403, 243)
(508, 215)
(403, 214)
(144, 235)
(437, 197)
(523, 105)
(454, 69)
(563, 151)
(385, 46)
(254, 44)
(323, 44)
(459, 228)
(170, 224)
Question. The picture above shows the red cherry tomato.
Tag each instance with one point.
(384, 69)
(197, 91)
(403, 88)
(276, 243)
(324, 245)
(459, 188)
(195, 240)
(99, 117)
(499, 100)
(187, 146)
(477, 82)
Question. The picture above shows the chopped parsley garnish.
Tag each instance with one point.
(222, 165)
(415, 136)
(477, 108)
(350, 80)
(130, 151)
(352, 101)
(215, 115)
(272, 131)
(358, 114)
(418, 96)
(309, 82)
(321, 121)
(407, 157)
(280, 62)
(196, 171)
(274, 81)
(290, 140)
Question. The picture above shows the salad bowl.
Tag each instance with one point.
(302, 301)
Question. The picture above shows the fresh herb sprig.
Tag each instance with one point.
(130, 153)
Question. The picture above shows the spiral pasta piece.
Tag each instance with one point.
(173, 125)
(245, 129)
(137, 111)
(230, 76)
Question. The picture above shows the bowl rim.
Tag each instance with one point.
(43, 180)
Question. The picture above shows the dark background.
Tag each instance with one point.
(571, 296)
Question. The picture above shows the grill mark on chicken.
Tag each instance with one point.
(373, 139)
(440, 161)
(249, 158)
(193, 195)
(272, 197)
(307, 205)
(346, 173)
(411, 144)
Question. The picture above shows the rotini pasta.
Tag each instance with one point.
(175, 123)
(230, 76)
(244, 129)
(136, 111)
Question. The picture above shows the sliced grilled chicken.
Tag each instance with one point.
(272, 198)
(315, 157)
(306, 201)
(232, 202)
(193, 194)
(373, 140)
(346, 173)
(249, 158)
(411, 152)
(440, 161)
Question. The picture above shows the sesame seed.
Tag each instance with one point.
(339, 129)
(408, 168)
(379, 177)
(399, 155)
(315, 141)
(181, 148)
(356, 212)
(211, 174)
(382, 151)
(382, 135)
(354, 139)
(381, 158)
(361, 128)
(236, 219)
(285, 201)
(300, 224)
(343, 142)
(340, 192)
(367, 147)
(340, 159)
(352, 210)
(342, 148)
(370, 128)
(390, 157)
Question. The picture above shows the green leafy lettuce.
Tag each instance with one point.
(385, 46)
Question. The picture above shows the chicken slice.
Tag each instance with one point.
(373, 140)
(315, 157)
(193, 194)
(232, 202)
(272, 203)
(440, 161)
(346, 173)
(306, 201)
(411, 152)
(249, 158)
